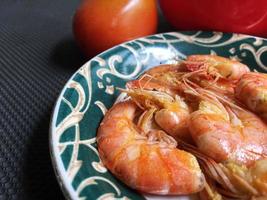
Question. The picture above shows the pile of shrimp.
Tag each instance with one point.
(198, 126)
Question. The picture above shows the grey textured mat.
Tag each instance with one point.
(37, 56)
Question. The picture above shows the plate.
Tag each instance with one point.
(92, 90)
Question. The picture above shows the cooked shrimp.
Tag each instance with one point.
(200, 100)
(163, 78)
(159, 88)
(235, 181)
(249, 180)
(148, 162)
(216, 66)
(171, 113)
(233, 134)
(252, 91)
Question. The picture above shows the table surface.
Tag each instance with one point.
(37, 56)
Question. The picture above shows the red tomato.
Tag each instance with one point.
(241, 16)
(101, 24)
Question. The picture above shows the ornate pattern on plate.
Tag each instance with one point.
(92, 90)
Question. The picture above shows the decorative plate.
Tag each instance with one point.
(92, 90)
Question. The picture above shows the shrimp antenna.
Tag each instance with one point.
(147, 82)
(224, 100)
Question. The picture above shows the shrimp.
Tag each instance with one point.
(199, 104)
(234, 135)
(160, 88)
(243, 182)
(234, 138)
(217, 66)
(163, 78)
(252, 91)
(171, 113)
(148, 162)
(197, 68)
(251, 179)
